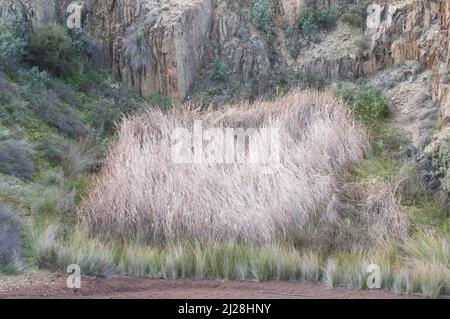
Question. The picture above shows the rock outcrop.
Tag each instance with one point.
(153, 45)
(336, 57)
(38, 12)
(417, 30)
(160, 46)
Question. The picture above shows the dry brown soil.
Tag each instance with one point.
(45, 285)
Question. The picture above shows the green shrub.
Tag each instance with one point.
(52, 49)
(104, 118)
(309, 28)
(12, 42)
(126, 100)
(307, 13)
(370, 104)
(90, 82)
(219, 70)
(7, 90)
(64, 92)
(366, 101)
(51, 147)
(310, 20)
(326, 17)
(261, 13)
(51, 105)
(60, 115)
(33, 81)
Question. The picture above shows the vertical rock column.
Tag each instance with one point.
(169, 36)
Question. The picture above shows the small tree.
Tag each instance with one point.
(52, 49)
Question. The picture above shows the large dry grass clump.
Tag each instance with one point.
(143, 194)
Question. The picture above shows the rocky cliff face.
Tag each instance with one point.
(418, 30)
(39, 12)
(161, 46)
(155, 46)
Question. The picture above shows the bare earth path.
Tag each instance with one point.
(44, 285)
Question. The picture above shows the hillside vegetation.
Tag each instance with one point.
(87, 178)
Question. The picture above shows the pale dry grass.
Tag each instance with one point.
(142, 194)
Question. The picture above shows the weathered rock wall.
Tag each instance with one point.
(400, 30)
(168, 38)
(159, 46)
(39, 12)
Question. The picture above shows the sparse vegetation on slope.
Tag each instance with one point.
(330, 207)
(54, 128)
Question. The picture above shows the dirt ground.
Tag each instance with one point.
(44, 285)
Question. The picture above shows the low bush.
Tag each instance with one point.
(10, 241)
(104, 118)
(15, 158)
(67, 121)
(64, 92)
(51, 147)
(370, 105)
(366, 101)
(310, 20)
(309, 28)
(126, 100)
(326, 17)
(60, 115)
(33, 81)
